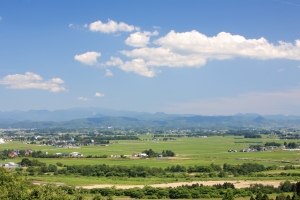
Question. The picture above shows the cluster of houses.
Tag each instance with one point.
(27, 152)
(258, 149)
(254, 149)
(15, 153)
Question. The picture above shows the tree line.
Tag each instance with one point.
(103, 170)
(17, 187)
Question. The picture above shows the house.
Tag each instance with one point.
(12, 155)
(9, 165)
(12, 164)
(142, 155)
(76, 154)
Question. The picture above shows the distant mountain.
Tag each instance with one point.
(101, 117)
(78, 113)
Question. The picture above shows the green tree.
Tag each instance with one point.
(228, 195)
(281, 197)
(97, 197)
(259, 196)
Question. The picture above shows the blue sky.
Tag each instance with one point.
(198, 57)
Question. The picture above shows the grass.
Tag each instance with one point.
(189, 152)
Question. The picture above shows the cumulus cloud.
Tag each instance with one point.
(139, 67)
(88, 58)
(83, 99)
(140, 39)
(114, 61)
(281, 102)
(159, 57)
(225, 45)
(32, 81)
(192, 49)
(111, 27)
(108, 73)
(99, 94)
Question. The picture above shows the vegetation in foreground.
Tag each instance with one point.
(15, 186)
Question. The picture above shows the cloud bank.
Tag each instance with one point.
(184, 49)
(32, 81)
(193, 49)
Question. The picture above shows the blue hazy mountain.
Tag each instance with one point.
(101, 117)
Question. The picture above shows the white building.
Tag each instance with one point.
(1, 141)
(75, 154)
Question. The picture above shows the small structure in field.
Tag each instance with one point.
(76, 154)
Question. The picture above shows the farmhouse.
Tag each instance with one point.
(75, 154)
(9, 165)
(142, 155)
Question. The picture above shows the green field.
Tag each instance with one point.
(189, 151)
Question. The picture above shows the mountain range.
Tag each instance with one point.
(101, 117)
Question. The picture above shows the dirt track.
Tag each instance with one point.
(237, 184)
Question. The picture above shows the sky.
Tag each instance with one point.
(205, 57)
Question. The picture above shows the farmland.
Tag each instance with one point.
(189, 152)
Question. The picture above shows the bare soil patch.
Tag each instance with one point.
(237, 184)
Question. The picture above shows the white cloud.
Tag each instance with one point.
(83, 99)
(57, 80)
(111, 27)
(140, 39)
(114, 61)
(282, 102)
(280, 70)
(225, 45)
(88, 58)
(32, 81)
(99, 94)
(108, 73)
(138, 66)
(191, 49)
(71, 25)
(159, 57)
(156, 27)
(0, 18)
